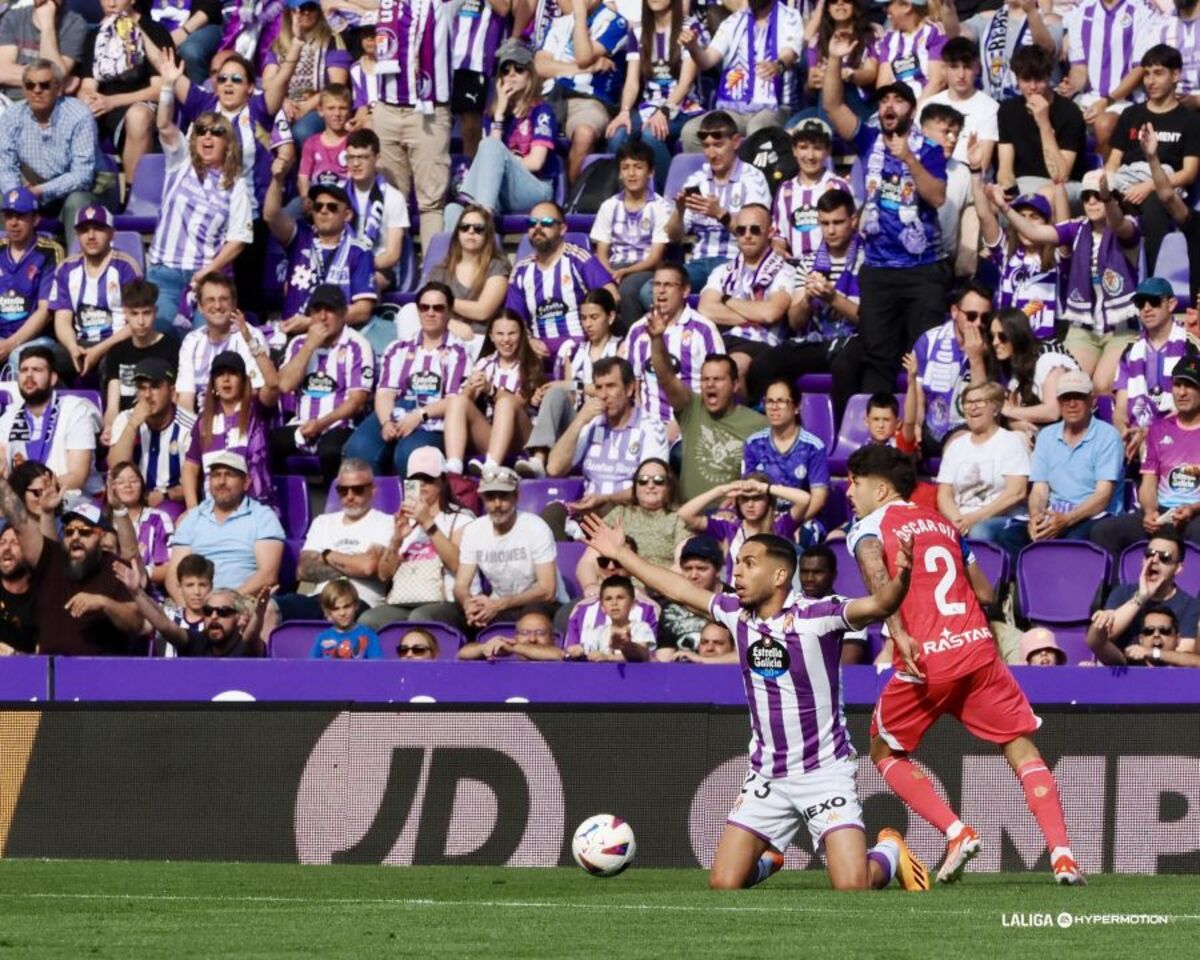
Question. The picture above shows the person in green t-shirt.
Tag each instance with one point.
(713, 425)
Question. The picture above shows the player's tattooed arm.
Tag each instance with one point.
(887, 593)
(869, 553)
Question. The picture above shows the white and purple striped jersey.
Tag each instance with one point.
(732, 534)
(418, 72)
(631, 233)
(548, 298)
(478, 30)
(1103, 39)
(332, 372)
(746, 184)
(94, 302)
(154, 532)
(734, 279)
(1184, 35)
(610, 456)
(421, 377)
(574, 361)
(599, 639)
(159, 454)
(198, 350)
(795, 212)
(364, 86)
(791, 669)
(500, 375)
(689, 339)
(589, 615)
(198, 216)
(911, 53)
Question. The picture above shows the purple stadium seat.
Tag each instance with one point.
(293, 640)
(507, 630)
(433, 254)
(837, 508)
(291, 493)
(127, 241)
(406, 282)
(816, 416)
(534, 495)
(525, 248)
(848, 581)
(449, 639)
(683, 165)
(1056, 581)
(814, 382)
(992, 561)
(1188, 578)
(1173, 264)
(289, 563)
(853, 431)
(569, 553)
(387, 496)
(145, 195)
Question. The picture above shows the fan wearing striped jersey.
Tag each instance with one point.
(802, 764)
(946, 658)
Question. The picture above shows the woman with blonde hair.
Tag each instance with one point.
(322, 60)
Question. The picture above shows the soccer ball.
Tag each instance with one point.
(604, 845)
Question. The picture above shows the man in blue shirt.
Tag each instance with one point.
(27, 264)
(904, 276)
(242, 538)
(1077, 468)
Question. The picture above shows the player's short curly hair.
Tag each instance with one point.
(887, 463)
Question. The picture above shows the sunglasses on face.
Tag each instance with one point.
(543, 222)
(327, 206)
(1162, 556)
(753, 229)
(416, 650)
(203, 130)
(358, 489)
(1087, 195)
(431, 307)
(230, 78)
(1163, 631)
(713, 137)
(41, 86)
(512, 68)
(210, 611)
(77, 531)
(1147, 299)
(977, 316)
(472, 228)
(658, 481)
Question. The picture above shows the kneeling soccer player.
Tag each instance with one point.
(802, 765)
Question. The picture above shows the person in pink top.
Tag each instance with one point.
(323, 157)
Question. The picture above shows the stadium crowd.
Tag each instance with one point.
(257, 255)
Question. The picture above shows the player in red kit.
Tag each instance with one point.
(946, 661)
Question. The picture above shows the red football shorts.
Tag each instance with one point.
(988, 702)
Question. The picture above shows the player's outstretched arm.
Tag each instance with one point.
(886, 596)
(610, 542)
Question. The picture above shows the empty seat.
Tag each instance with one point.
(291, 494)
(145, 195)
(1057, 582)
(534, 495)
(448, 638)
(293, 640)
(683, 165)
(816, 416)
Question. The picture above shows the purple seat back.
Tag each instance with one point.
(852, 433)
(534, 495)
(814, 382)
(448, 638)
(145, 195)
(302, 464)
(291, 493)
(1072, 638)
(92, 395)
(992, 561)
(1187, 577)
(1173, 264)
(293, 640)
(434, 254)
(569, 553)
(816, 416)
(683, 165)
(837, 508)
(525, 248)
(507, 630)
(288, 564)
(388, 495)
(848, 582)
(1057, 580)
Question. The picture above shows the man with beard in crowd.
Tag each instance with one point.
(81, 608)
(18, 615)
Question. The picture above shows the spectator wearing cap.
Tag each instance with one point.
(701, 560)
(514, 164)
(345, 544)
(1103, 243)
(421, 558)
(904, 275)
(513, 549)
(139, 298)
(755, 49)
(324, 253)
(82, 608)
(1043, 138)
(154, 433)
(1076, 471)
(224, 330)
(1169, 487)
(1143, 382)
(331, 370)
(45, 426)
(1039, 648)
(242, 538)
(89, 314)
(207, 211)
(794, 209)
(49, 144)
(27, 264)
(231, 419)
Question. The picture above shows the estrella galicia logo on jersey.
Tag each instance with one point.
(825, 806)
(768, 658)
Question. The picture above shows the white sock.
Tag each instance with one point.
(489, 463)
(453, 465)
(1061, 852)
(955, 828)
(890, 851)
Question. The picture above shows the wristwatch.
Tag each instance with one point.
(1156, 654)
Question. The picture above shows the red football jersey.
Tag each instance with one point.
(940, 612)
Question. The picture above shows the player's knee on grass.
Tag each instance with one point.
(722, 877)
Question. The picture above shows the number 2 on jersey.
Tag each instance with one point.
(939, 559)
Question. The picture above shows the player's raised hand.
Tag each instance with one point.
(605, 540)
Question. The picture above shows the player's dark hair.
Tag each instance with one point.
(139, 294)
(835, 200)
(1031, 63)
(934, 112)
(777, 549)
(680, 271)
(1163, 55)
(636, 149)
(960, 50)
(617, 582)
(724, 359)
(821, 551)
(886, 463)
(363, 139)
(883, 399)
(1164, 610)
(606, 365)
(1170, 533)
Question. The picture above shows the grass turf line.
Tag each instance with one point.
(200, 910)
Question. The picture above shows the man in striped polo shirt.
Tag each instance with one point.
(155, 433)
(803, 767)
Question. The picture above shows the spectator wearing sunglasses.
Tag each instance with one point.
(1119, 625)
(21, 41)
(532, 638)
(207, 212)
(515, 162)
(748, 297)
(227, 630)
(417, 645)
(1168, 493)
(1158, 643)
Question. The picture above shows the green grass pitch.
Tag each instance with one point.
(82, 909)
